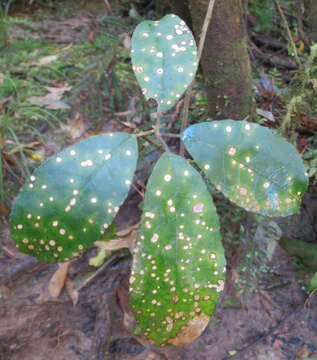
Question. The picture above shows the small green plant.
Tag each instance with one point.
(178, 270)
(4, 9)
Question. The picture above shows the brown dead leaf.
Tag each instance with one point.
(123, 295)
(52, 100)
(127, 42)
(128, 230)
(58, 91)
(76, 127)
(153, 356)
(266, 114)
(30, 145)
(57, 281)
(191, 331)
(303, 353)
(3, 102)
(71, 291)
(46, 60)
(3, 209)
(124, 239)
(8, 158)
(117, 244)
(129, 321)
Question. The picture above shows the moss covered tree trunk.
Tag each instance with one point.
(311, 13)
(225, 60)
(180, 8)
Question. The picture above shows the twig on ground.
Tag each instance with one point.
(98, 272)
(308, 300)
(277, 61)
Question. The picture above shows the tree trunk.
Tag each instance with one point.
(180, 8)
(311, 11)
(225, 59)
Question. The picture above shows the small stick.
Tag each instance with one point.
(98, 272)
(158, 119)
(145, 133)
(308, 300)
(288, 32)
(189, 90)
(166, 148)
(138, 191)
(175, 114)
(150, 141)
(171, 135)
(109, 7)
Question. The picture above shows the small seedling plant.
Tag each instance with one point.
(178, 270)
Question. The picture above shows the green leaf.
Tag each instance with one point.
(179, 264)
(71, 199)
(252, 165)
(313, 282)
(164, 58)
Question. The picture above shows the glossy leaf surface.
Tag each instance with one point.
(164, 59)
(72, 198)
(179, 264)
(252, 165)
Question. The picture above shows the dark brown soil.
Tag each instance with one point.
(277, 322)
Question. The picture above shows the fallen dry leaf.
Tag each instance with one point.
(128, 230)
(129, 321)
(52, 100)
(117, 244)
(3, 209)
(123, 239)
(58, 91)
(120, 243)
(8, 158)
(3, 102)
(76, 127)
(123, 295)
(30, 145)
(127, 42)
(71, 291)
(57, 281)
(46, 60)
(266, 114)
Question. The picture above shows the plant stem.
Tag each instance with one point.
(109, 7)
(171, 135)
(3, 29)
(288, 32)
(149, 140)
(158, 120)
(166, 148)
(145, 133)
(200, 51)
(157, 129)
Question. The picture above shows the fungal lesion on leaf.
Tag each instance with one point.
(191, 331)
